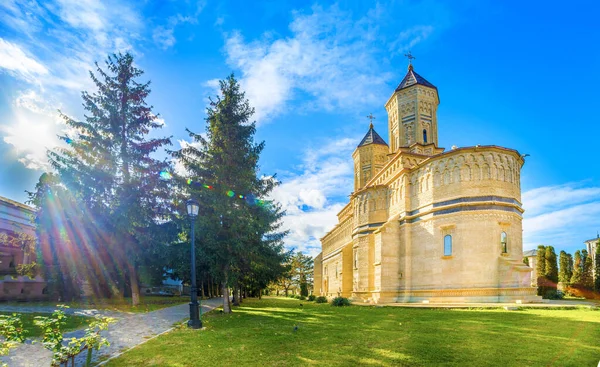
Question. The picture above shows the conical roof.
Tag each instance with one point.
(413, 78)
(372, 138)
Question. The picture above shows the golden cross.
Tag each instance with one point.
(410, 57)
(371, 117)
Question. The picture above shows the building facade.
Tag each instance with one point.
(424, 224)
(531, 256)
(17, 233)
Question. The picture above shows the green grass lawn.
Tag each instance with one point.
(73, 322)
(147, 303)
(261, 333)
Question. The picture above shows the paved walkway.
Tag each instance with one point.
(130, 330)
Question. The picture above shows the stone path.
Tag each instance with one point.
(130, 330)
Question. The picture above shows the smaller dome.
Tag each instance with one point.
(372, 138)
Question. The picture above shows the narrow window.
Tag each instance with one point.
(424, 136)
(503, 242)
(356, 260)
(447, 245)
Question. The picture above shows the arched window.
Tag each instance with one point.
(503, 242)
(447, 245)
(424, 136)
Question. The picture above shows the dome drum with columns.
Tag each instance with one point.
(424, 224)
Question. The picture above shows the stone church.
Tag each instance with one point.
(424, 224)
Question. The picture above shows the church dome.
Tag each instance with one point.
(372, 138)
(411, 78)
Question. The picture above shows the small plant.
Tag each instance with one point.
(321, 299)
(311, 297)
(11, 328)
(29, 270)
(340, 302)
(53, 338)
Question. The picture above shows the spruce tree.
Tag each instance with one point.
(541, 269)
(577, 270)
(222, 169)
(570, 268)
(551, 267)
(597, 268)
(563, 275)
(587, 277)
(109, 168)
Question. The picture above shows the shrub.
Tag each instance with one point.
(321, 299)
(553, 294)
(311, 297)
(302, 298)
(340, 301)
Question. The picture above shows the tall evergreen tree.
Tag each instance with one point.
(541, 269)
(597, 268)
(587, 277)
(570, 268)
(577, 270)
(564, 276)
(223, 175)
(109, 167)
(551, 274)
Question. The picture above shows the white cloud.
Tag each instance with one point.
(313, 197)
(68, 36)
(329, 56)
(409, 38)
(164, 35)
(14, 60)
(562, 216)
(34, 130)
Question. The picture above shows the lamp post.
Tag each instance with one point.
(195, 323)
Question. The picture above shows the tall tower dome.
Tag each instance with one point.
(412, 112)
(369, 157)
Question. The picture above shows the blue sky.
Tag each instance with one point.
(517, 74)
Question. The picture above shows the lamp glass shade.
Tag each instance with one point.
(192, 208)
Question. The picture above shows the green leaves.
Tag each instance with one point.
(53, 339)
(236, 239)
(11, 328)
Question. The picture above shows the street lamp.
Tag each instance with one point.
(195, 323)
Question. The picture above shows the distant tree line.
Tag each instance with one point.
(111, 209)
(577, 274)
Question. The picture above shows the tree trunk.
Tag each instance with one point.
(226, 300)
(135, 287)
(236, 295)
(260, 294)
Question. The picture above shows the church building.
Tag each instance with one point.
(424, 224)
